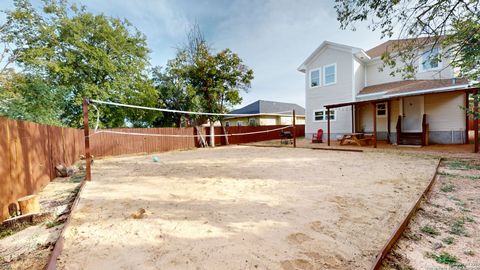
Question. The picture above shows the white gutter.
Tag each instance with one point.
(372, 94)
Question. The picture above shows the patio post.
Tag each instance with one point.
(328, 126)
(475, 120)
(353, 118)
(389, 128)
(467, 105)
(294, 130)
(374, 125)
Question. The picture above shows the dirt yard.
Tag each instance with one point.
(242, 208)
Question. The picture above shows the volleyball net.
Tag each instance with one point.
(200, 132)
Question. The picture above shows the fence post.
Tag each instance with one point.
(294, 131)
(88, 175)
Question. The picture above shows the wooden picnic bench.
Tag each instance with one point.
(359, 139)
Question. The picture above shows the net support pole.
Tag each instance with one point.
(374, 124)
(328, 126)
(475, 120)
(294, 131)
(88, 173)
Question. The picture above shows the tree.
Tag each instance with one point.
(199, 79)
(217, 78)
(422, 24)
(26, 97)
(89, 55)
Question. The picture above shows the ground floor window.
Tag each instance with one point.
(239, 123)
(382, 109)
(252, 122)
(227, 123)
(321, 115)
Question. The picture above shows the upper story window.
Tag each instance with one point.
(315, 78)
(381, 109)
(239, 123)
(227, 123)
(330, 74)
(252, 122)
(430, 60)
(321, 115)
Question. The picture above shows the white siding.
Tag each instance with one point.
(316, 98)
(365, 117)
(374, 76)
(359, 73)
(444, 112)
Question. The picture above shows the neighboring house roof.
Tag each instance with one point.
(269, 107)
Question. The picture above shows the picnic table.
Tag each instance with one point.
(359, 139)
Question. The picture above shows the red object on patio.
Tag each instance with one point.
(317, 138)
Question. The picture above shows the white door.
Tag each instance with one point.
(412, 114)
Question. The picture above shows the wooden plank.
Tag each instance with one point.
(397, 233)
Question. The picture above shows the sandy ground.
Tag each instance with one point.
(242, 208)
(445, 231)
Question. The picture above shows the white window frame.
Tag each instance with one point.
(386, 110)
(325, 115)
(227, 123)
(319, 78)
(254, 122)
(422, 60)
(324, 74)
(240, 124)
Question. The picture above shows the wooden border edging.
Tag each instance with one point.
(337, 149)
(397, 233)
(57, 249)
(311, 148)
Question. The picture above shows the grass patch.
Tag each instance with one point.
(449, 209)
(430, 230)
(53, 223)
(448, 240)
(447, 188)
(473, 177)
(6, 232)
(446, 258)
(457, 227)
(462, 165)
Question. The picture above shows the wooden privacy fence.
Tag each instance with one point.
(29, 153)
(109, 144)
(257, 137)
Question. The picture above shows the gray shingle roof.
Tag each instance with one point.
(265, 106)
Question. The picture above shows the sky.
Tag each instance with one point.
(273, 37)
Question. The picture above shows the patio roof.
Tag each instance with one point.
(388, 91)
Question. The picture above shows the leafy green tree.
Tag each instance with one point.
(217, 78)
(198, 79)
(452, 24)
(89, 55)
(30, 98)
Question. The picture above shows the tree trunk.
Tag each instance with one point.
(29, 204)
(224, 132)
(212, 133)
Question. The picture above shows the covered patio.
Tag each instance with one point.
(357, 135)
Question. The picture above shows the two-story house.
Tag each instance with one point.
(348, 84)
